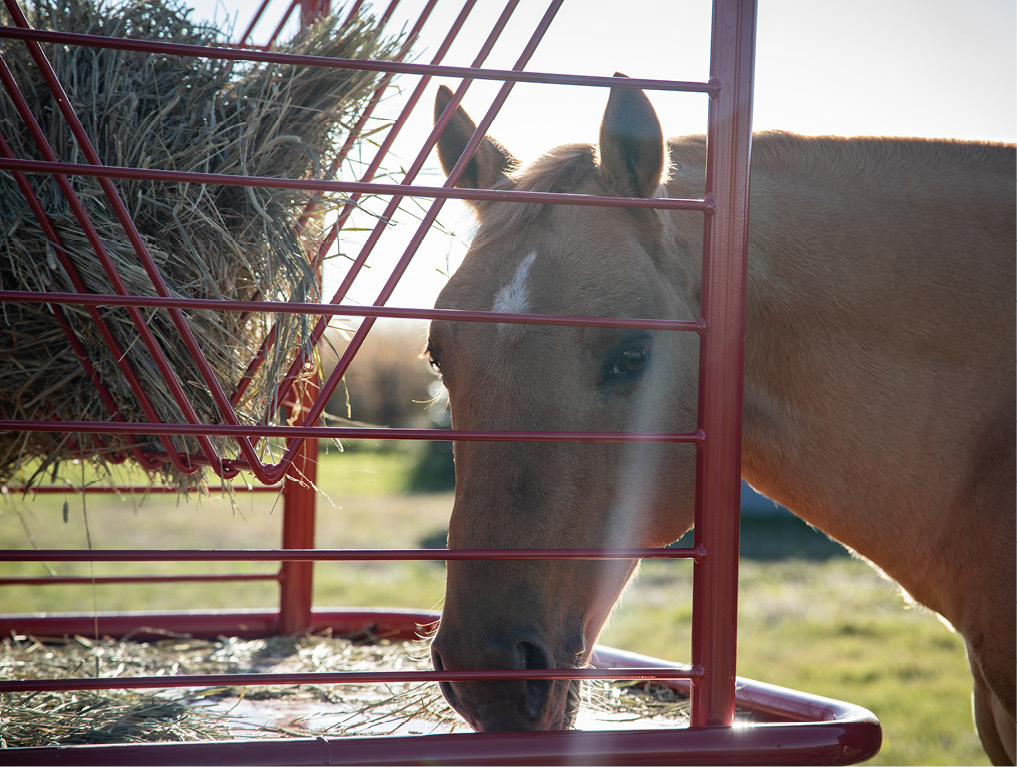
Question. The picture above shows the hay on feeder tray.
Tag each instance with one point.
(117, 716)
(177, 113)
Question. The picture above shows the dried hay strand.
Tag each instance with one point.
(175, 113)
(109, 716)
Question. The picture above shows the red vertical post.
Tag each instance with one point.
(296, 579)
(721, 362)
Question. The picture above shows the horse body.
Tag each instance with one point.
(879, 386)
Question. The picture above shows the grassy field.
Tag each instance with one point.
(810, 617)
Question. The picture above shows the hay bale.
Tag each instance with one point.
(168, 112)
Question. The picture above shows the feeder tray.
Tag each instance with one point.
(778, 726)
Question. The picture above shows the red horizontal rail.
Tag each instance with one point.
(347, 310)
(134, 490)
(106, 580)
(385, 623)
(395, 67)
(342, 677)
(336, 555)
(846, 741)
(704, 205)
(349, 432)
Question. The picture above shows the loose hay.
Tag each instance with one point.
(112, 716)
(176, 113)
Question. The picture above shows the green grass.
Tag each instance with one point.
(810, 617)
(832, 627)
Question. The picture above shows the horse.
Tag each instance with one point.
(878, 385)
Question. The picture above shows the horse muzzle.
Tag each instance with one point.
(532, 704)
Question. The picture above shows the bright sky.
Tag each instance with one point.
(935, 68)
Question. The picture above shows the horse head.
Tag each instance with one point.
(536, 258)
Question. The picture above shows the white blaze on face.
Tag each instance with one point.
(513, 298)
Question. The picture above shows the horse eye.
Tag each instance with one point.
(630, 362)
(432, 358)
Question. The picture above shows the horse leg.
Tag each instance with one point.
(996, 727)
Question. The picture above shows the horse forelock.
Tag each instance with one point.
(562, 170)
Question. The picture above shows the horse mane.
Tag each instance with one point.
(562, 170)
(850, 156)
(568, 169)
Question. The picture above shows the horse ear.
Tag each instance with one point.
(632, 156)
(490, 163)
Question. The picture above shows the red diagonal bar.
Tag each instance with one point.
(255, 18)
(282, 22)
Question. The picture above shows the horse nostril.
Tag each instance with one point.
(535, 656)
(439, 666)
(445, 687)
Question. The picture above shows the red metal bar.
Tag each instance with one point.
(337, 677)
(335, 555)
(399, 122)
(294, 4)
(827, 742)
(312, 10)
(133, 490)
(253, 22)
(351, 432)
(296, 579)
(352, 187)
(368, 65)
(715, 580)
(351, 310)
(107, 580)
(390, 623)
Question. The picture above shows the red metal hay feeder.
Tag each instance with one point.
(796, 728)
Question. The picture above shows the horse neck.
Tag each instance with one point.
(863, 398)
